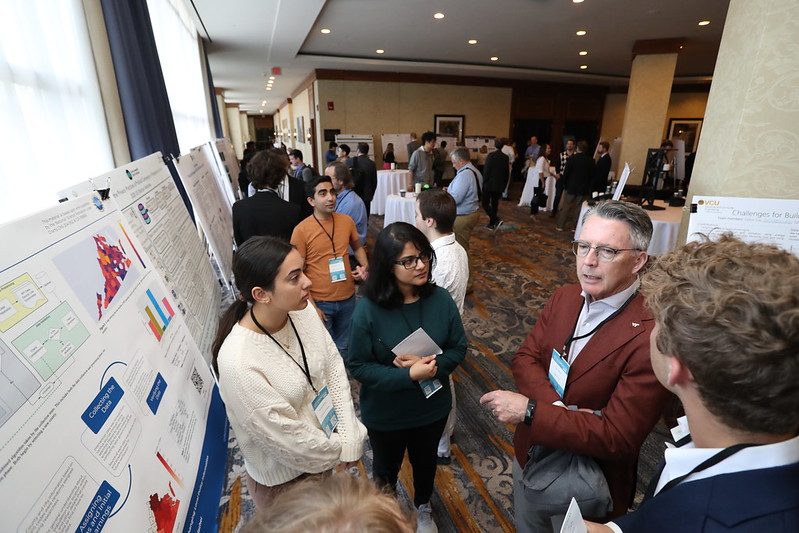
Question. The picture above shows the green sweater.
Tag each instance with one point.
(389, 398)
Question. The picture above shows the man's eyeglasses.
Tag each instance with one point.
(411, 262)
(603, 253)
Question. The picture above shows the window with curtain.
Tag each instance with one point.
(179, 53)
(53, 132)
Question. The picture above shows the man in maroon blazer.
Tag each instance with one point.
(591, 343)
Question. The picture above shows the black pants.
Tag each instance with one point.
(491, 205)
(558, 194)
(388, 448)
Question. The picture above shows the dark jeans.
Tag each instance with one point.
(339, 322)
(491, 205)
(388, 448)
(558, 194)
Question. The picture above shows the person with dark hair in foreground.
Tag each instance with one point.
(726, 342)
(275, 361)
(338, 504)
(401, 299)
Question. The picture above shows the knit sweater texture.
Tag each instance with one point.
(390, 399)
(268, 400)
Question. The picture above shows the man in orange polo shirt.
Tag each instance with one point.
(322, 240)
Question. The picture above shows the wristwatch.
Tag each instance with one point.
(529, 412)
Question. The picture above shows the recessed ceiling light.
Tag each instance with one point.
(577, 1)
(380, 51)
(704, 22)
(583, 67)
(263, 103)
(325, 30)
(581, 32)
(680, 47)
(438, 16)
(472, 41)
(583, 52)
(271, 78)
(268, 88)
(494, 58)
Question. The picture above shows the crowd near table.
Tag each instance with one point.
(389, 182)
(400, 209)
(665, 226)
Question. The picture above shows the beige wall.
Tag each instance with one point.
(750, 135)
(373, 107)
(234, 123)
(681, 105)
(301, 108)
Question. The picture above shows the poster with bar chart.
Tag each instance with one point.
(156, 313)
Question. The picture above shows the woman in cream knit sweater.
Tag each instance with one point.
(274, 358)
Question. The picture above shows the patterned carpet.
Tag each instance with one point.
(516, 269)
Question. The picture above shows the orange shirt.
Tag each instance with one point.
(312, 240)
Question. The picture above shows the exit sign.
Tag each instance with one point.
(277, 71)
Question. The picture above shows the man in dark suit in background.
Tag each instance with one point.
(266, 212)
(585, 382)
(602, 168)
(364, 174)
(727, 344)
(578, 174)
(413, 145)
(496, 173)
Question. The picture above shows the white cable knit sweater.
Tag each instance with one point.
(268, 401)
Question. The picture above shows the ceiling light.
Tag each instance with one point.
(325, 31)
(263, 103)
(472, 41)
(577, 1)
(494, 58)
(583, 67)
(268, 88)
(680, 47)
(380, 51)
(583, 52)
(704, 22)
(581, 32)
(438, 16)
(271, 78)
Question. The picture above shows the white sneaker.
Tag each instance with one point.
(424, 519)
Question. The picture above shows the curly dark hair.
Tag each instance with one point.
(267, 169)
(730, 312)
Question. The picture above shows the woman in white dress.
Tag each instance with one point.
(537, 175)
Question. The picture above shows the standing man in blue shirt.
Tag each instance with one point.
(466, 189)
(348, 202)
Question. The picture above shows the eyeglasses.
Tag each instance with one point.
(603, 253)
(411, 262)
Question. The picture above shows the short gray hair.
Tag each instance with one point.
(461, 154)
(638, 222)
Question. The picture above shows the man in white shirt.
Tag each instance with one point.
(726, 342)
(435, 217)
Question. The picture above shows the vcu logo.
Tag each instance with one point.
(708, 202)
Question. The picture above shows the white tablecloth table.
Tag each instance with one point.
(400, 209)
(388, 182)
(665, 226)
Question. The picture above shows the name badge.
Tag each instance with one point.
(558, 372)
(430, 386)
(337, 270)
(324, 411)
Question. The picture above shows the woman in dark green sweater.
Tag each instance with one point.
(400, 298)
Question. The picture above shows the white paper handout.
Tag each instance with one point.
(573, 521)
(420, 344)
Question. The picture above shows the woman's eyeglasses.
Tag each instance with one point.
(410, 262)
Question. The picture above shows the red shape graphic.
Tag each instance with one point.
(165, 512)
(114, 267)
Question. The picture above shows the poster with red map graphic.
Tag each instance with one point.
(100, 269)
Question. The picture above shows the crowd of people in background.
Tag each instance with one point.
(715, 323)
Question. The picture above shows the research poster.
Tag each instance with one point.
(155, 212)
(219, 171)
(763, 220)
(109, 416)
(228, 161)
(211, 207)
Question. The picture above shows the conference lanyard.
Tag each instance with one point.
(329, 235)
(572, 338)
(306, 371)
(707, 463)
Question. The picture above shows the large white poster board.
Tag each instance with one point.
(227, 158)
(211, 207)
(155, 212)
(109, 417)
(400, 141)
(217, 166)
(770, 221)
(352, 140)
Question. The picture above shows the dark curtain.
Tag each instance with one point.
(212, 91)
(140, 81)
